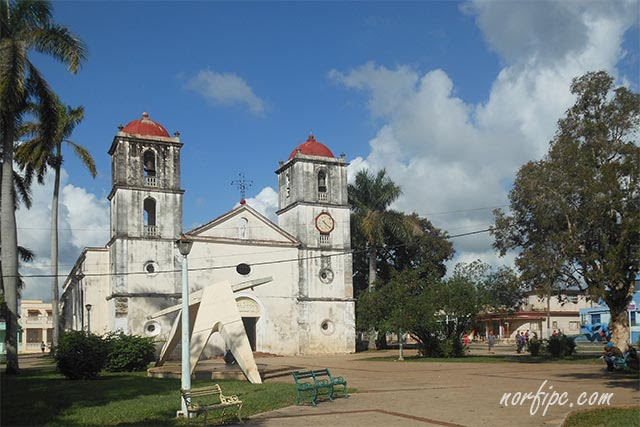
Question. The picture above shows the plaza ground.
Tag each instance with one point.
(445, 393)
(392, 393)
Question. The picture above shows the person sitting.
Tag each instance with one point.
(611, 353)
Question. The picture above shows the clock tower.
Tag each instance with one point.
(313, 207)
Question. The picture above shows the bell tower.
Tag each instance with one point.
(313, 206)
(146, 219)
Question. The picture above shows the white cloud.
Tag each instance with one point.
(266, 202)
(83, 220)
(355, 166)
(451, 155)
(225, 89)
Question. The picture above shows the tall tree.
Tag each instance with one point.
(575, 214)
(36, 155)
(370, 196)
(25, 26)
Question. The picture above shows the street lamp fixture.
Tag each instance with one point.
(88, 306)
(184, 245)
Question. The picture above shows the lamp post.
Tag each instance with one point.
(184, 246)
(88, 306)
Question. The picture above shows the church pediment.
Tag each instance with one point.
(243, 224)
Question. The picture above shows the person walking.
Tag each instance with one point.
(491, 341)
(43, 346)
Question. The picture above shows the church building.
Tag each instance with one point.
(306, 307)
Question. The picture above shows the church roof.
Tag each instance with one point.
(311, 147)
(145, 126)
(268, 233)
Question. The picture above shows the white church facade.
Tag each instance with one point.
(307, 307)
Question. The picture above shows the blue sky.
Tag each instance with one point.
(450, 97)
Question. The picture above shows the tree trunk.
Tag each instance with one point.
(548, 316)
(372, 267)
(619, 323)
(9, 252)
(372, 338)
(55, 304)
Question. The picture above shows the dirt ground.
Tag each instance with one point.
(447, 394)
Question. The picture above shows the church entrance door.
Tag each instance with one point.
(250, 329)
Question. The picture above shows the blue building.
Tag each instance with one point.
(596, 319)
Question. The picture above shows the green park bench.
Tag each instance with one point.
(205, 399)
(322, 380)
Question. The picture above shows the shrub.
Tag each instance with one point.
(129, 352)
(560, 345)
(569, 345)
(555, 346)
(80, 355)
(534, 345)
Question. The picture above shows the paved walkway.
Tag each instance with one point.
(445, 394)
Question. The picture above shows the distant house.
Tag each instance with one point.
(36, 323)
(564, 316)
(597, 318)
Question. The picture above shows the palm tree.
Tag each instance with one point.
(36, 155)
(25, 26)
(370, 197)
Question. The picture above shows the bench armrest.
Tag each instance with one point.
(229, 400)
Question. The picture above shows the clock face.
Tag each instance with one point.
(324, 223)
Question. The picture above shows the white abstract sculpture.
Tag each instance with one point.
(214, 309)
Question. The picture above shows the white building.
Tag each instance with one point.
(36, 325)
(307, 308)
(564, 316)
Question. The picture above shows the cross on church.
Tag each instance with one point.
(242, 184)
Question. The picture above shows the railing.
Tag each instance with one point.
(39, 319)
(34, 345)
(151, 181)
(151, 230)
(323, 197)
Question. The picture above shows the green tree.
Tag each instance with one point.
(25, 26)
(502, 290)
(575, 214)
(36, 155)
(370, 197)
(435, 311)
(426, 250)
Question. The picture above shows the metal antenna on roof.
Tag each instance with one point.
(242, 184)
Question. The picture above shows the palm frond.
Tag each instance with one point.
(60, 43)
(22, 188)
(70, 117)
(26, 255)
(85, 157)
(12, 88)
(29, 14)
(47, 107)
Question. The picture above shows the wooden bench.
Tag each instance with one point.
(322, 379)
(205, 399)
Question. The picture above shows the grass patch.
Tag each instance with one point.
(41, 396)
(604, 417)
(581, 359)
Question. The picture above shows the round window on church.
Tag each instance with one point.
(151, 329)
(326, 275)
(327, 327)
(150, 268)
(243, 269)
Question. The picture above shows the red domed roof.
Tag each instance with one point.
(146, 126)
(311, 147)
